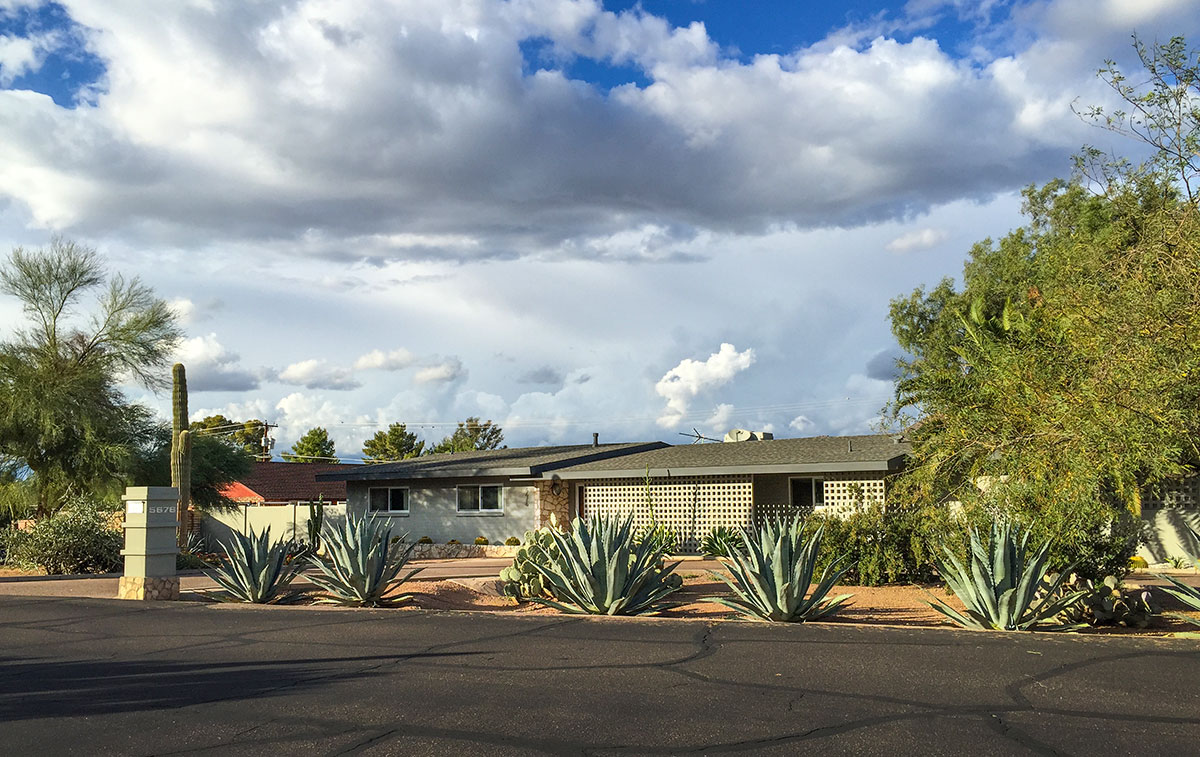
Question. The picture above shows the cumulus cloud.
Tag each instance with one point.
(444, 372)
(385, 361)
(801, 423)
(719, 421)
(213, 368)
(418, 130)
(919, 239)
(691, 377)
(318, 374)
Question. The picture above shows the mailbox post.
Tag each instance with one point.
(150, 543)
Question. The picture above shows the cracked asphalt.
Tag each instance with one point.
(96, 677)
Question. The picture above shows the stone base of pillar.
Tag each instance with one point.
(147, 587)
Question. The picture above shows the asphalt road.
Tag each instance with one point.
(85, 676)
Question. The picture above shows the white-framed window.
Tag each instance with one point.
(481, 499)
(806, 493)
(388, 499)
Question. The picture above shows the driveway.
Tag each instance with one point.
(82, 676)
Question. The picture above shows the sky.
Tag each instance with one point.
(640, 219)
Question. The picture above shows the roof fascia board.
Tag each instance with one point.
(871, 465)
(603, 454)
(537, 470)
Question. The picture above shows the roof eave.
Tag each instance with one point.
(724, 470)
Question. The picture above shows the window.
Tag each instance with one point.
(389, 500)
(480, 499)
(807, 493)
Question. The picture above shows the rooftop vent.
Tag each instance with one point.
(743, 435)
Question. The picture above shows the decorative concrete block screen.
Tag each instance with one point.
(1182, 493)
(690, 506)
(845, 491)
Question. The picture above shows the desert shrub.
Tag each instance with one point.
(481, 541)
(424, 540)
(79, 538)
(512, 541)
(454, 541)
(878, 545)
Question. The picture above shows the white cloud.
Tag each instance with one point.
(184, 309)
(718, 422)
(319, 374)
(918, 239)
(686, 380)
(213, 368)
(418, 131)
(385, 361)
(447, 371)
(801, 423)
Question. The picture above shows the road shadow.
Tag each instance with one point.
(36, 688)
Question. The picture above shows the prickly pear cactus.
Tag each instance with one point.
(521, 579)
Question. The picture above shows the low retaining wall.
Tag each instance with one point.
(447, 551)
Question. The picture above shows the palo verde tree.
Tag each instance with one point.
(314, 446)
(472, 434)
(396, 443)
(1062, 379)
(62, 414)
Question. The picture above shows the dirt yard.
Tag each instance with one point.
(890, 605)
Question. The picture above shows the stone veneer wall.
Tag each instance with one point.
(547, 502)
(148, 587)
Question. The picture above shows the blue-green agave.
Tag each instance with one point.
(1003, 589)
(1189, 595)
(602, 568)
(772, 569)
(255, 568)
(362, 561)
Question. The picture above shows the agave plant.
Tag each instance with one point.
(772, 569)
(255, 567)
(1189, 595)
(721, 541)
(361, 562)
(1004, 590)
(602, 568)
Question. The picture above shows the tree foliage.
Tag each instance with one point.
(396, 443)
(245, 434)
(471, 434)
(1062, 378)
(217, 461)
(314, 447)
(62, 414)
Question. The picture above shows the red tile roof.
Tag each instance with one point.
(288, 482)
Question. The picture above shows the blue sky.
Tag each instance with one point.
(565, 216)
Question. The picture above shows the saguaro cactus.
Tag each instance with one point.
(181, 443)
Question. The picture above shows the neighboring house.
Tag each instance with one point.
(275, 496)
(273, 483)
(691, 488)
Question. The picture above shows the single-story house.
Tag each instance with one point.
(690, 488)
(271, 483)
